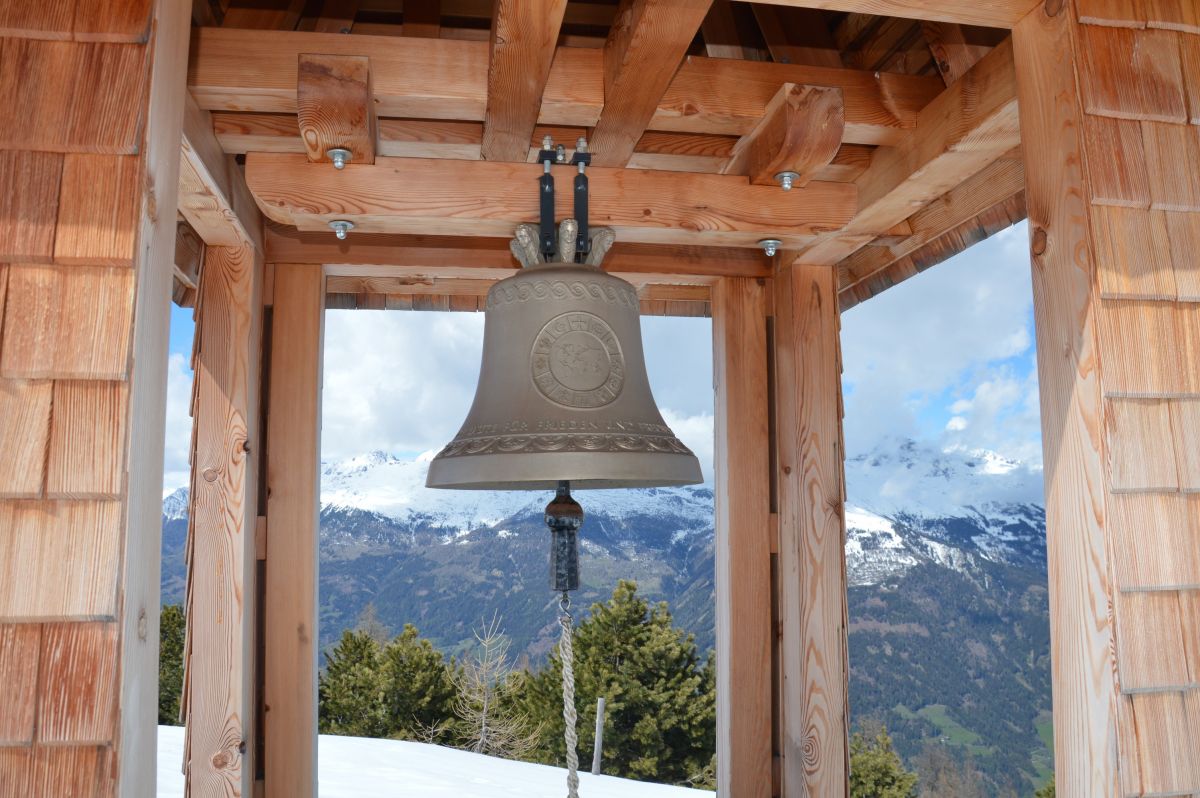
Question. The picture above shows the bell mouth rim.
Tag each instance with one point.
(623, 470)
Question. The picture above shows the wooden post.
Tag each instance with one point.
(743, 532)
(293, 505)
(87, 234)
(1113, 191)
(814, 716)
(221, 562)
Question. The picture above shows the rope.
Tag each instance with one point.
(567, 653)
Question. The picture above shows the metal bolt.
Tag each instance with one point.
(340, 157)
(547, 142)
(341, 228)
(581, 144)
(785, 180)
(560, 154)
(770, 246)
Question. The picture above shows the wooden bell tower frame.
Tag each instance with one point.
(1088, 116)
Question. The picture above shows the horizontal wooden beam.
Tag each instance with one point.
(213, 197)
(240, 133)
(240, 70)
(990, 13)
(434, 197)
(971, 124)
(800, 133)
(423, 258)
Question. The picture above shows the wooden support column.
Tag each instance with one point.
(814, 716)
(743, 528)
(1113, 192)
(88, 170)
(220, 700)
(293, 499)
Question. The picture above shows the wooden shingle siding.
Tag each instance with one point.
(24, 432)
(97, 221)
(78, 680)
(27, 234)
(20, 644)
(1173, 163)
(1160, 751)
(1143, 526)
(1131, 74)
(1133, 253)
(112, 20)
(1158, 647)
(86, 456)
(1117, 143)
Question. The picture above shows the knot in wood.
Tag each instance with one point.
(142, 625)
(221, 760)
(1038, 246)
(210, 474)
(787, 469)
(1053, 7)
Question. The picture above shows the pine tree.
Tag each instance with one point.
(876, 770)
(489, 721)
(660, 698)
(170, 663)
(351, 690)
(419, 689)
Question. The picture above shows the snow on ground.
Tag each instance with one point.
(354, 767)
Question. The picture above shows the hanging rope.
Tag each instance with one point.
(566, 653)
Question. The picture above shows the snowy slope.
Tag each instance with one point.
(354, 767)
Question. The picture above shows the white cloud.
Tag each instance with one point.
(696, 432)
(179, 423)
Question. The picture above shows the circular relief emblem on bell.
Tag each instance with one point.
(577, 361)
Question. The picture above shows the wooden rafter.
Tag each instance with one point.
(953, 53)
(648, 40)
(524, 34)
(413, 195)
(968, 126)
(991, 13)
(797, 36)
(235, 70)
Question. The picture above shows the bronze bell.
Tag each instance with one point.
(563, 392)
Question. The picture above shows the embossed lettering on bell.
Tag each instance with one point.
(563, 392)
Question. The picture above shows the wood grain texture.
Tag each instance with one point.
(812, 566)
(222, 516)
(234, 70)
(1183, 231)
(335, 106)
(1173, 165)
(1131, 74)
(98, 90)
(1158, 634)
(1169, 14)
(521, 49)
(78, 677)
(1151, 347)
(30, 211)
(213, 196)
(59, 560)
(69, 322)
(1140, 448)
(800, 132)
(24, 432)
(49, 20)
(1133, 253)
(20, 647)
(1189, 54)
(76, 770)
(290, 613)
(1174, 519)
(743, 530)
(86, 455)
(952, 53)
(993, 13)
(797, 35)
(1163, 751)
(407, 195)
(1081, 643)
(97, 217)
(645, 46)
(1117, 143)
(112, 20)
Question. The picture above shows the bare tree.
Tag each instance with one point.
(489, 723)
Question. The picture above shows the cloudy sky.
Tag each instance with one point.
(946, 357)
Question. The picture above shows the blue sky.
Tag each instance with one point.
(946, 357)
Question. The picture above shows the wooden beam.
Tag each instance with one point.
(420, 138)
(953, 55)
(743, 537)
(430, 257)
(648, 40)
(410, 195)
(723, 35)
(797, 36)
(523, 40)
(189, 257)
(970, 125)
(337, 16)
(814, 711)
(212, 192)
(423, 18)
(335, 107)
(222, 510)
(293, 504)
(997, 182)
(243, 71)
(990, 13)
(801, 132)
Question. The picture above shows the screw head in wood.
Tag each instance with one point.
(786, 179)
(340, 157)
(770, 246)
(341, 228)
